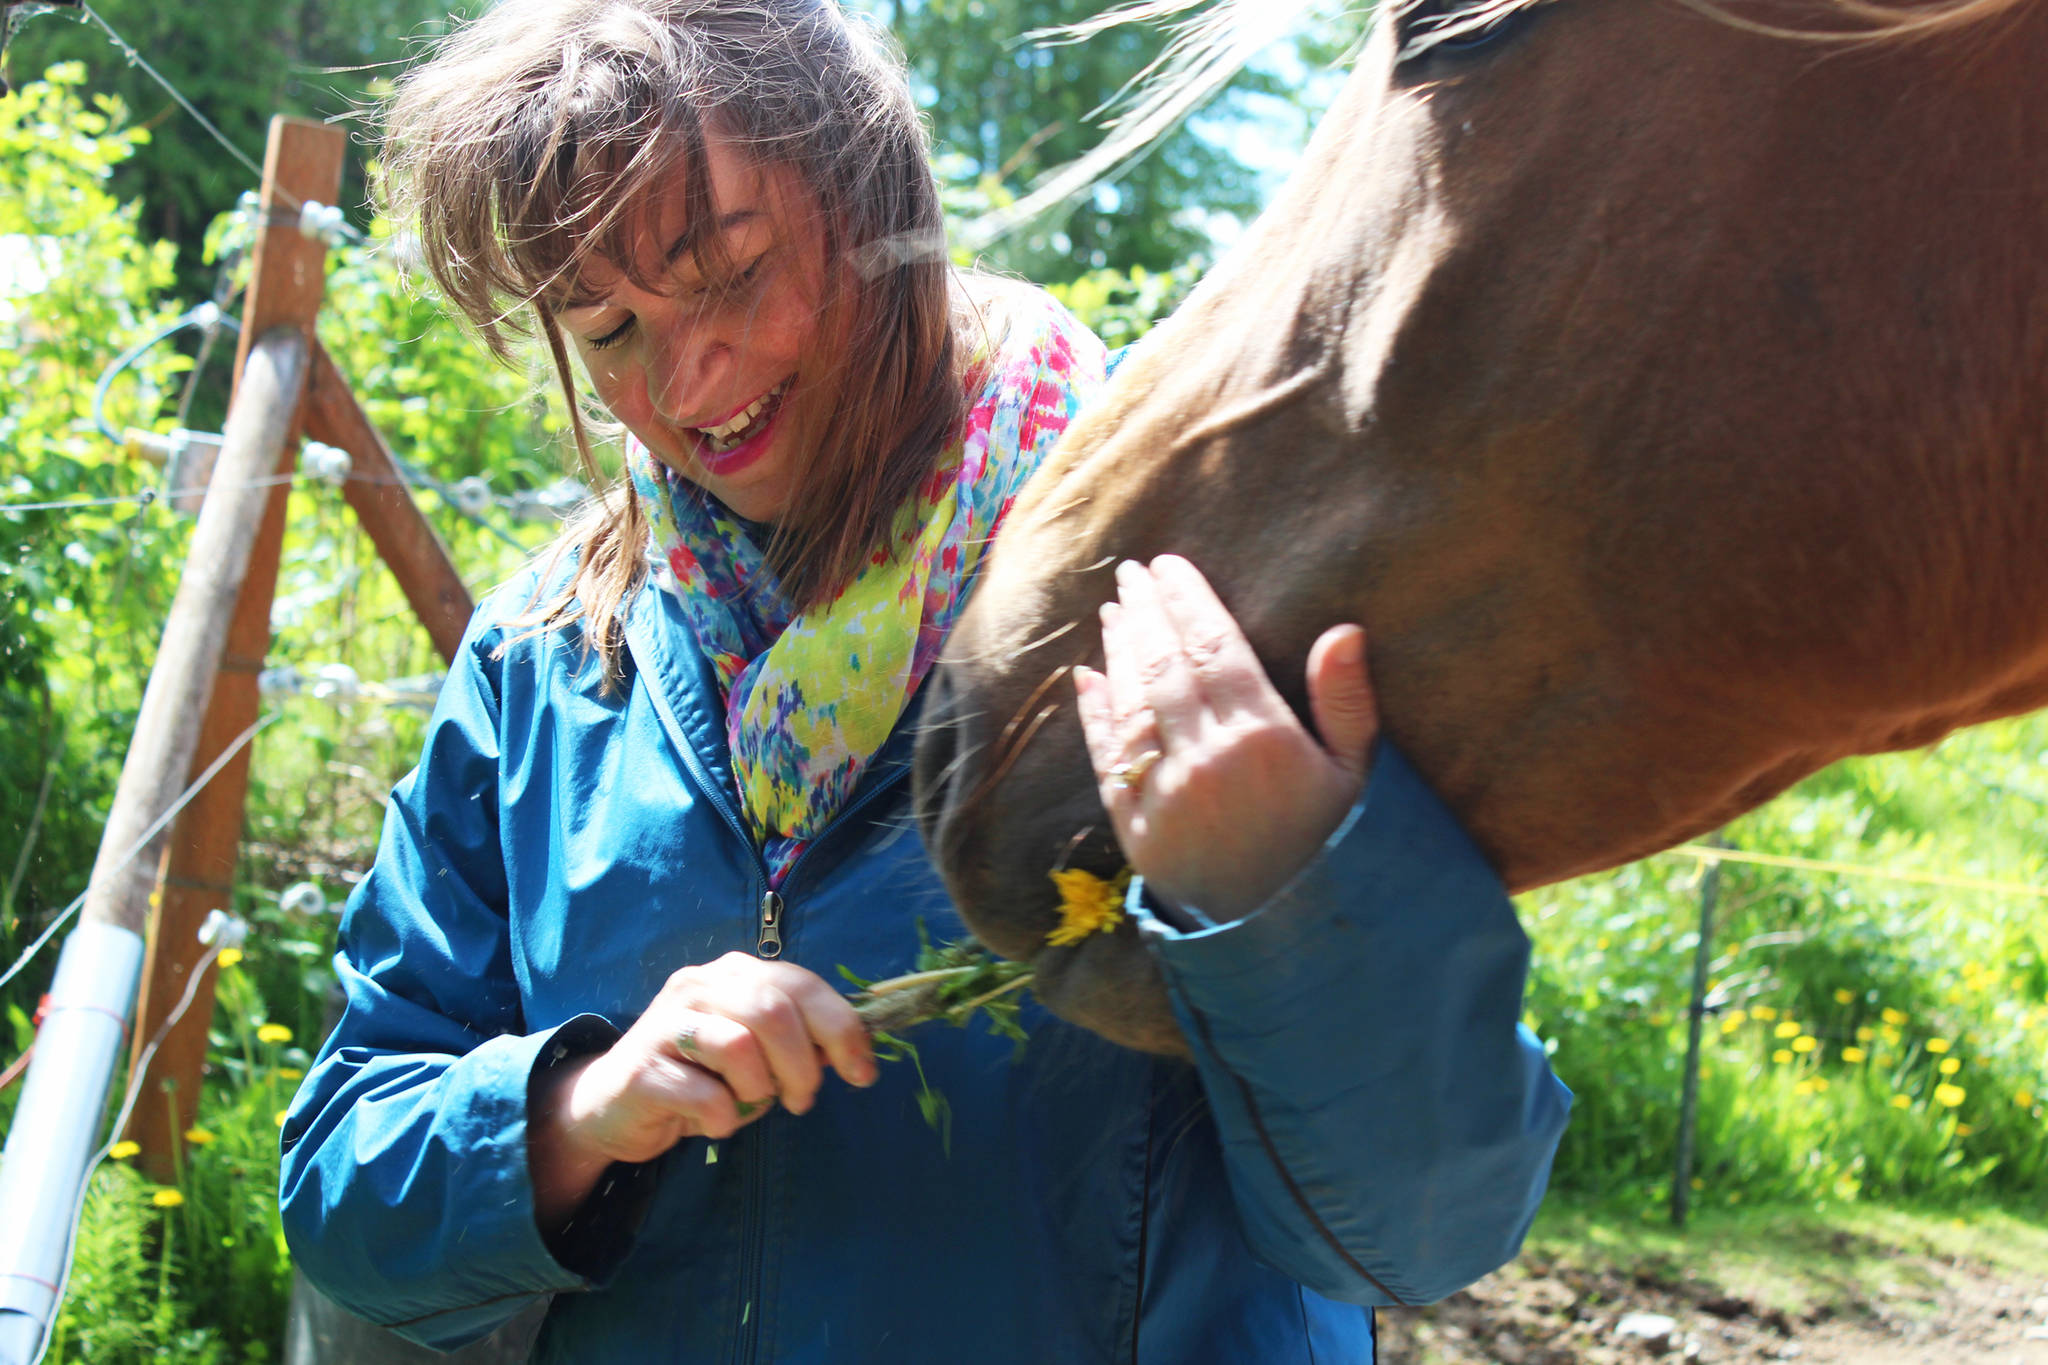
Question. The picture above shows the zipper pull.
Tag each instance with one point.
(771, 926)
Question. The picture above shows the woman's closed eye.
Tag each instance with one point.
(611, 338)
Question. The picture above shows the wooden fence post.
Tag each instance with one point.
(301, 163)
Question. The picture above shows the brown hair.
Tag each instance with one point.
(528, 145)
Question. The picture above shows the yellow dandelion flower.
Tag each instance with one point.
(1806, 1042)
(290, 1073)
(1806, 1087)
(1895, 1018)
(2023, 1098)
(279, 1116)
(1965, 1129)
(1949, 1066)
(229, 957)
(1949, 1096)
(1844, 996)
(1737, 1018)
(1788, 1029)
(1902, 1101)
(1730, 1024)
(1939, 1045)
(121, 1151)
(1600, 943)
(1820, 1082)
(1088, 905)
(197, 1136)
(1865, 1034)
(1891, 1035)
(167, 1199)
(273, 1033)
(1781, 1056)
(1763, 1012)
(1854, 1055)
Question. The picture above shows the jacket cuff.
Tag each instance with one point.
(600, 1235)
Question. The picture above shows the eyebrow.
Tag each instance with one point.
(683, 245)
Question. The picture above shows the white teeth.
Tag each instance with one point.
(739, 421)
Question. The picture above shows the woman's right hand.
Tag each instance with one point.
(718, 1045)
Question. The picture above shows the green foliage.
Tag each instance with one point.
(128, 1302)
(82, 589)
(1121, 306)
(1005, 111)
(1869, 1038)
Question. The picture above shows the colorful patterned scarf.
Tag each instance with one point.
(810, 698)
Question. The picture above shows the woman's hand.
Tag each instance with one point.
(1218, 794)
(719, 1045)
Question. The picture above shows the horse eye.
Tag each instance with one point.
(1425, 27)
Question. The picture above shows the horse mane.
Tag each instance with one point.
(1213, 39)
(1863, 21)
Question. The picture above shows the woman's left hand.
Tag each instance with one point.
(1218, 793)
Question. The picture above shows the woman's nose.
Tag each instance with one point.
(686, 368)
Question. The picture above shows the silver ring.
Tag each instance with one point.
(1129, 776)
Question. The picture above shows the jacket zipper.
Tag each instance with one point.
(768, 944)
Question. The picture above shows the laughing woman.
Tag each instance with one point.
(591, 1048)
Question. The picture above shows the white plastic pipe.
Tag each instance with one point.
(57, 1124)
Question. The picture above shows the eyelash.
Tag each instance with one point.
(618, 333)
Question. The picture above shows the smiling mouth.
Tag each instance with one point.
(736, 430)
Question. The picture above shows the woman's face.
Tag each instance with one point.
(697, 367)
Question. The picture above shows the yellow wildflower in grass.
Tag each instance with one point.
(1805, 1042)
(1949, 1096)
(1902, 1101)
(1891, 1035)
(1938, 1045)
(1949, 1066)
(1788, 1029)
(229, 957)
(1965, 1129)
(1820, 1082)
(198, 1136)
(1763, 1012)
(280, 1117)
(1891, 1016)
(1844, 996)
(121, 1151)
(1808, 1086)
(2023, 1098)
(167, 1199)
(1781, 1056)
(1601, 943)
(1088, 905)
(273, 1033)
(1854, 1055)
(290, 1073)
(1732, 1022)
(1865, 1034)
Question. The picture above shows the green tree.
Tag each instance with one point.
(1005, 111)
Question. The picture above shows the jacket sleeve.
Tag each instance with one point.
(1387, 1122)
(404, 1183)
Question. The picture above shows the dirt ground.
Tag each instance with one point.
(1938, 1309)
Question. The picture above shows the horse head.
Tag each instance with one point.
(1668, 398)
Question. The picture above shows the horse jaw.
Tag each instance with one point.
(1623, 457)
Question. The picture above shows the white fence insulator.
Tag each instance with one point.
(471, 495)
(329, 464)
(224, 930)
(303, 898)
(323, 222)
(336, 682)
(282, 681)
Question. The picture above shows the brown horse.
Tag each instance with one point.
(1668, 398)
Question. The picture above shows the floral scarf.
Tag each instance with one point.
(810, 698)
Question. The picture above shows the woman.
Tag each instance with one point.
(590, 1045)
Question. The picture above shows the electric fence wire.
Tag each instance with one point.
(184, 798)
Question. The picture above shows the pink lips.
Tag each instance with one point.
(720, 464)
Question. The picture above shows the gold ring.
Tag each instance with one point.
(1129, 776)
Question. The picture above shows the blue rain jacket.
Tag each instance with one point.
(1365, 1122)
